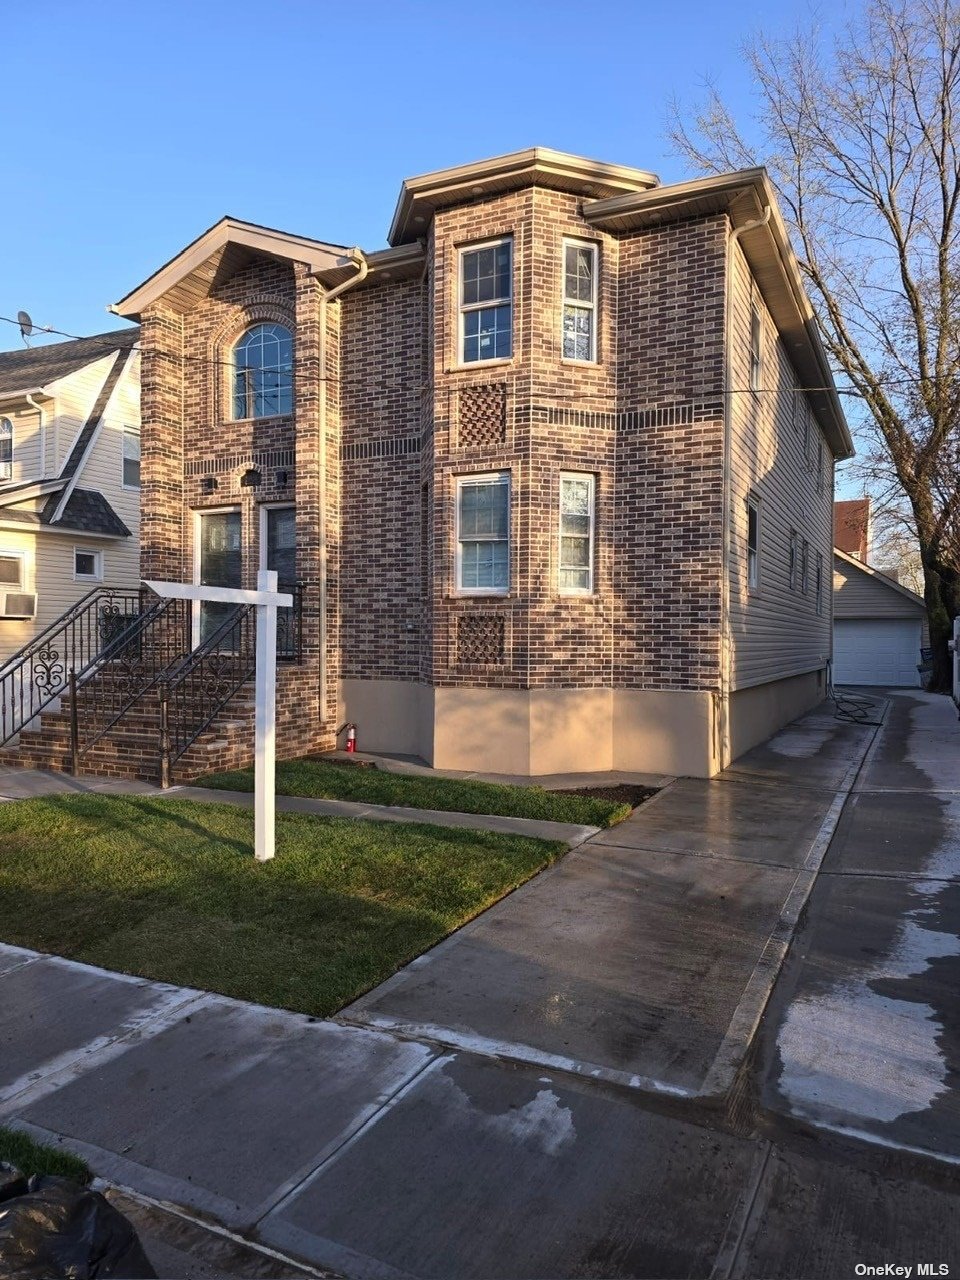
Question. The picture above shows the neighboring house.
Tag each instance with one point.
(69, 477)
(851, 528)
(878, 628)
(553, 473)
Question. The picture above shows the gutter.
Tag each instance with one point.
(43, 431)
(727, 484)
(326, 297)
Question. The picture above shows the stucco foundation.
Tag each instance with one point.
(536, 731)
(758, 712)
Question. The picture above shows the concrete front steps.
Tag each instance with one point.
(131, 749)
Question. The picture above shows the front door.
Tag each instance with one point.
(218, 564)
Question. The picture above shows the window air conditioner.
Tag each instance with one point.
(18, 604)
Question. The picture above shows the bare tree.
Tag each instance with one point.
(859, 138)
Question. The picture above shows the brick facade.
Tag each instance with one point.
(385, 420)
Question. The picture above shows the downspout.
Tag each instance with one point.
(327, 296)
(727, 487)
(42, 434)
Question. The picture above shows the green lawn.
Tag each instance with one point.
(322, 780)
(33, 1157)
(170, 890)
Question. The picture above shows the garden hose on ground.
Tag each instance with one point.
(854, 708)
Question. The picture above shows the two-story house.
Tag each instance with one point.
(69, 478)
(553, 472)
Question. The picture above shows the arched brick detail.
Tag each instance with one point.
(259, 309)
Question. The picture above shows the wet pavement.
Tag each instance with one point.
(864, 1032)
(647, 955)
(563, 1114)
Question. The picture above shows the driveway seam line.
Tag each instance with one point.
(728, 1255)
(756, 994)
(275, 1204)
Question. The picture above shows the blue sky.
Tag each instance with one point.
(132, 127)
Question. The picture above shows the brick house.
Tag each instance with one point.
(554, 472)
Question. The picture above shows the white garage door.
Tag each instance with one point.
(876, 651)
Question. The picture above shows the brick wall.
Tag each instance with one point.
(404, 420)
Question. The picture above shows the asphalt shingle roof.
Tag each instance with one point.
(36, 366)
(87, 511)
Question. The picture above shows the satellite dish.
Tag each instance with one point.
(25, 323)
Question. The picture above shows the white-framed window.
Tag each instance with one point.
(804, 566)
(6, 449)
(754, 348)
(794, 558)
(753, 543)
(819, 466)
(87, 564)
(819, 582)
(577, 523)
(579, 301)
(131, 458)
(486, 301)
(263, 372)
(483, 534)
(11, 569)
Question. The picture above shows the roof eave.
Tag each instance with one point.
(871, 572)
(470, 181)
(743, 195)
(267, 240)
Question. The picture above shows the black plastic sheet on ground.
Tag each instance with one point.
(53, 1229)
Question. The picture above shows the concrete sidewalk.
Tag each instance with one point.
(27, 784)
(496, 1138)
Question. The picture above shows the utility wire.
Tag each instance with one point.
(593, 395)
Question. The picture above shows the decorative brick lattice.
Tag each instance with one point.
(481, 639)
(481, 416)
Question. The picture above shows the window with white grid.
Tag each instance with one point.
(579, 301)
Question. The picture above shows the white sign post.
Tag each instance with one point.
(267, 600)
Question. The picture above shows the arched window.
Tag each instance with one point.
(263, 372)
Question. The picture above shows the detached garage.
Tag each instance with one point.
(878, 627)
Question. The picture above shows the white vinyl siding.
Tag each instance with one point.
(483, 534)
(776, 632)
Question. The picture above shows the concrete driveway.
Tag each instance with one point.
(864, 1034)
(470, 1117)
(646, 956)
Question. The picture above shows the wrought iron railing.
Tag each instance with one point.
(40, 672)
(193, 694)
(126, 671)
